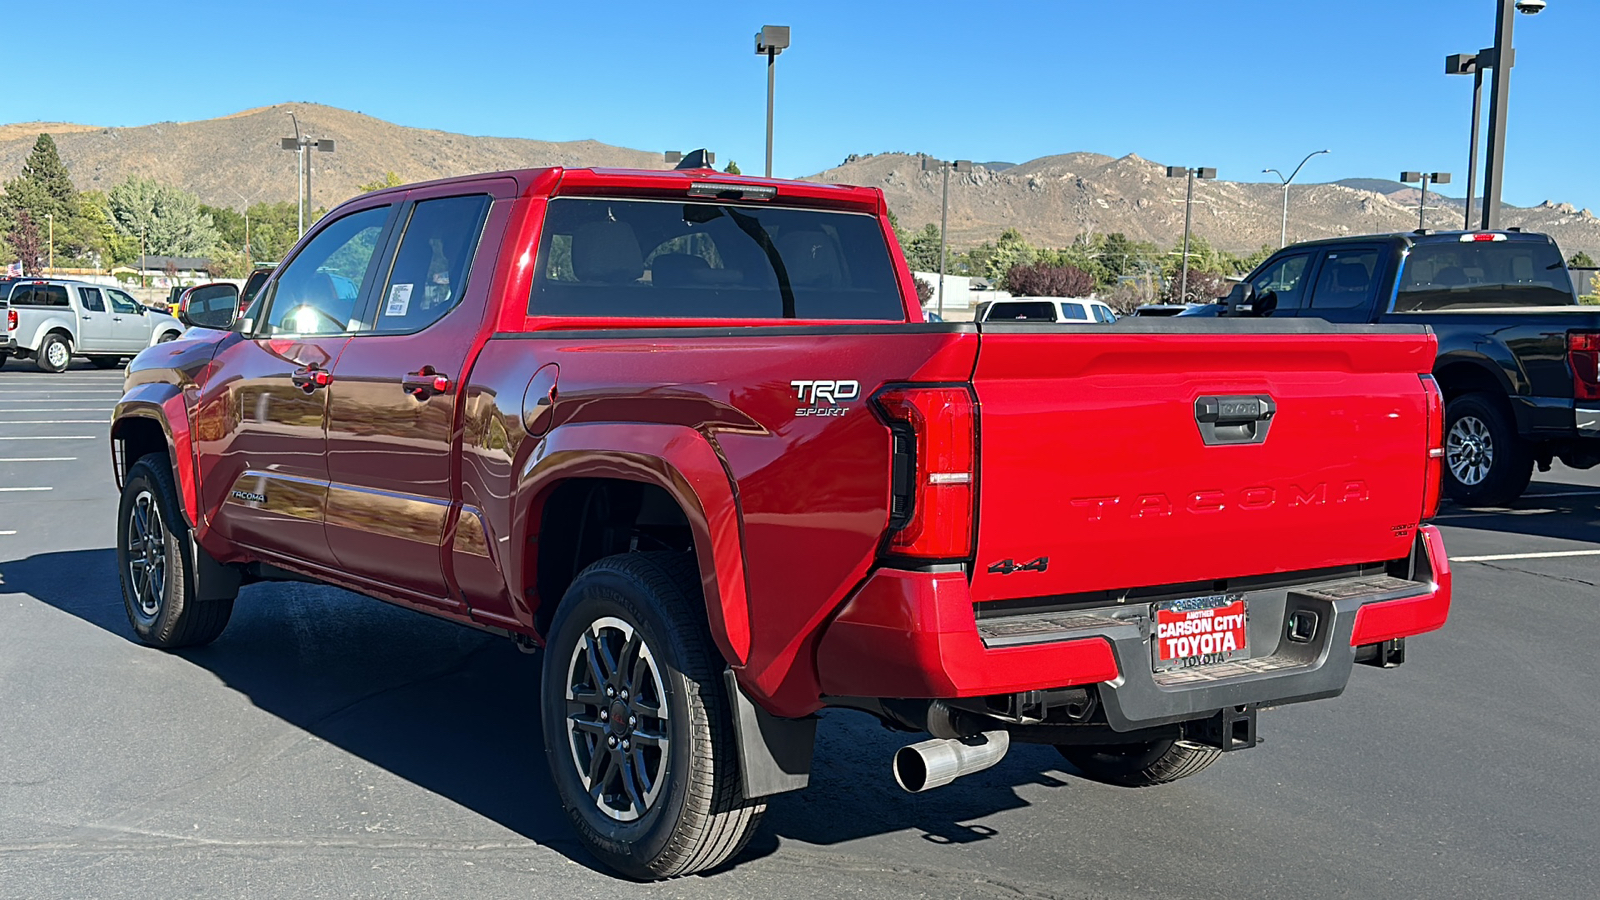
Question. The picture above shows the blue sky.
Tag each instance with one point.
(1241, 85)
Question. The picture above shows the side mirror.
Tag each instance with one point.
(209, 305)
(1240, 300)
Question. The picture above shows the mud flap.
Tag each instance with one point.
(213, 580)
(774, 753)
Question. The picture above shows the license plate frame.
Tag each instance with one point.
(1178, 646)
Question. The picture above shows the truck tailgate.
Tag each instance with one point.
(1169, 454)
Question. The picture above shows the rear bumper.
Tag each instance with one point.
(914, 635)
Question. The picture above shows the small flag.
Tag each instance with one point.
(15, 268)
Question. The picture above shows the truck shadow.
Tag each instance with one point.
(1549, 509)
(456, 713)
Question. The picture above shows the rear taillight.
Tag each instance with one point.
(1434, 471)
(1583, 354)
(934, 470)
(11, 320)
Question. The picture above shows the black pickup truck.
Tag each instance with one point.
(1519, 358)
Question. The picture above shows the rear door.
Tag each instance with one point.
(393, 399)
(1182, 451)
(94, 322)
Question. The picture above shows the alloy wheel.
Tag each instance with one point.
(147, 555)
(617, 726)
(1469, 450)
(57, 355)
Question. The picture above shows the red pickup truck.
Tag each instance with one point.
(689, 434)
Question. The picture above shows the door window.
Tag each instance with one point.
(1074, 312)
(39, 295)
(122, 303)
(1031, 311)
(90, 299)
(1285, 281)
(317, 291)
(1348, 280)
(431, 267)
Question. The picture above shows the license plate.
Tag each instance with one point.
(1199, 631)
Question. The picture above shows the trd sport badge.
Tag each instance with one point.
(824, 398)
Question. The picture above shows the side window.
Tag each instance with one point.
(90, 299)
(431, 267)
(1074, 312)
(122, 303)
(1285, 280)
(1347, 280)
(316, 292)
(1032, 311)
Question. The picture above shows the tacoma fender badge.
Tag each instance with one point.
(1011, 566)
(250, 496)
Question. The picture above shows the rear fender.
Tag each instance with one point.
(46, 325)
(164, 405)
(678, 459)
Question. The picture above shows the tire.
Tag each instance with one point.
(104, 362)
(151, 534)
(169, 336)
(647, 607)
(1485, 462)
(55, 354)
(1139, 765)
(3, 358)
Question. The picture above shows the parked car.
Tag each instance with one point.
(1045, 309)
(1518, 356)
(1163, 309)
(682, 431)
(52, 320)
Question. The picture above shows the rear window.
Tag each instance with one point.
(665, 259)
(1446, 275)
(1033, 311)
(39, 295)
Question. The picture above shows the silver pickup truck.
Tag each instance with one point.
(51, 320)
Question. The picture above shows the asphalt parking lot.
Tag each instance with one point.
(332, 746)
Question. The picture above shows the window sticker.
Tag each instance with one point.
(399, 300)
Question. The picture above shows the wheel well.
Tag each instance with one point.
(587, 519)
(67, 335)
(1467, 378)
(137, 438)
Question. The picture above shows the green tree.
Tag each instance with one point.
(1581, 260)
(389, 180)
(922, 251)
(994, 260)
(273, 230)
(44, 190)
(733, 168)
(169, 219)
(229, 223)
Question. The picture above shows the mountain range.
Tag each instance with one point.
(238, 159)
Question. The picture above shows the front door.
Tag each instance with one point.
(393, 400)
(262, 429)
(94, 322)
(130, 327)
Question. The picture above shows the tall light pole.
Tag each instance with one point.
(1424, 177)
(1499, 98)
(960, 165)
(770, 41)
(300, 143)
(1188, 209)
(1471, 64)
(246, 201)
(1283, 229)
(50, 218)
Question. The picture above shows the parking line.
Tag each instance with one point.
(1499, 557)
(1562, 494)
(56, 422)
(17, 489)
(71, 409)
(49, 437)
(7, 532)
(4, 459)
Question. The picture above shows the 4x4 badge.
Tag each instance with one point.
(1011, 566)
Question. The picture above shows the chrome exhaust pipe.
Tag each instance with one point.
(930, 764)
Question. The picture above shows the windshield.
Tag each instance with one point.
(664, 259)
(1453, 274)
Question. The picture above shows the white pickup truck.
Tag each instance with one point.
(50, 321)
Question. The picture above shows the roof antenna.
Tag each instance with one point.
(694, 159)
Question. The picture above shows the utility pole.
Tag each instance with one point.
(960, 165)
(1188, 209)
(770, 41)
(50, 218)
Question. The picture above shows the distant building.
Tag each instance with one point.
(173, 271)
(961, 293)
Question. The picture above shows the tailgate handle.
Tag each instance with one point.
(1235, 419)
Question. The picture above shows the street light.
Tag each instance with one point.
(300, 143)
(1188, 209)
(1424, 177)
(246, 201)
(1499, 99)
(770, 41)
(50, 218)
(1283, 230)
(960, 165)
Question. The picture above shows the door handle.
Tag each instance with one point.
(311, 378)
(1234, 420)
(425, 383)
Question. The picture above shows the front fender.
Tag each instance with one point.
(681, 461)
(163, 404)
